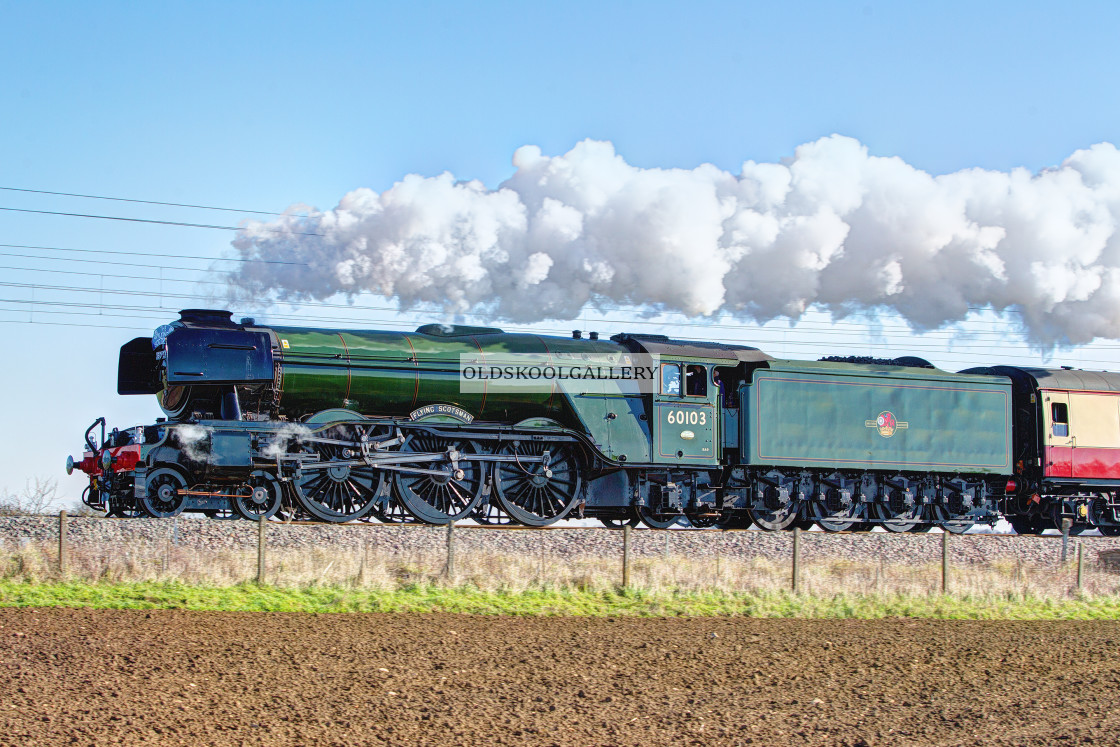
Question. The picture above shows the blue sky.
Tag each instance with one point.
(261, 105)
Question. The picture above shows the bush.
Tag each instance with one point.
(35, 498)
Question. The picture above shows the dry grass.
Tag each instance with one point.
(1002, 581)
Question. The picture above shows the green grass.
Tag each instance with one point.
(471, 600)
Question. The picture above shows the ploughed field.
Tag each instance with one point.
(175, 677)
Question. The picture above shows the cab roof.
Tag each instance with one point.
(664, 346)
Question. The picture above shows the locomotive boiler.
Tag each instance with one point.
(338, 425)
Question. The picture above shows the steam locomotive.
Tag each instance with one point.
(451, 422)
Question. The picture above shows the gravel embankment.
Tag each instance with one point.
(406, 540)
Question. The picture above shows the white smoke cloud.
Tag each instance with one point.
(194, 440)
(833, 227)
(288, 435)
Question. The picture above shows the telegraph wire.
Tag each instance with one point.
(150, 254)
(141, 202)
(158, 222)
(805, 326)
(930, 340)
(802, 347)
(889, 331)
(988, 357)
(685, 322)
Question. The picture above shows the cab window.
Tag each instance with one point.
(696, 381)
(1059, 416)
(671, 379)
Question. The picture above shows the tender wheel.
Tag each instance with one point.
(773, 520)
(837, 512)
(776, 507)
(449, 491)
(336, 489)
(947, 522)
(163, 498)
(260, 497)
(837, 509)
(896, 515)
(533, 493)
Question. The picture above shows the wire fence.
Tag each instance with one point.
(388, 557)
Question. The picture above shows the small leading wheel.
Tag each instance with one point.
(448, 489)
(163, 497)
(703, 520)
(221, 514)
(124, 511)
(631, 518)
(260, 497)
(655, 520)
(534, 490)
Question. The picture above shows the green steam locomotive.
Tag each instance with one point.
(456, 422)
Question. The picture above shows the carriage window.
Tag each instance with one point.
(1059, 415)
(671, 379)
(696, 381)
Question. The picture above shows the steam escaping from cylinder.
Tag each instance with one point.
(832, 227)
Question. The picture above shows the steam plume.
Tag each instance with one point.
(833, 226)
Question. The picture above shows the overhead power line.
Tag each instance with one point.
(151, 254)
(139, 202)
(825, 332)
(159, 222)
(885, 329)
(803, 345)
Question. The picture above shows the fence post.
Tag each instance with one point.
(540, 558)
(796, 574)
(625, 556)
(450, 550)
(1080, 563)
(261, 524)
(63, 544)
(1067, 524)
(944, 561)
(361, 580)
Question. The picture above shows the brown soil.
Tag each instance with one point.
(125, 677)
